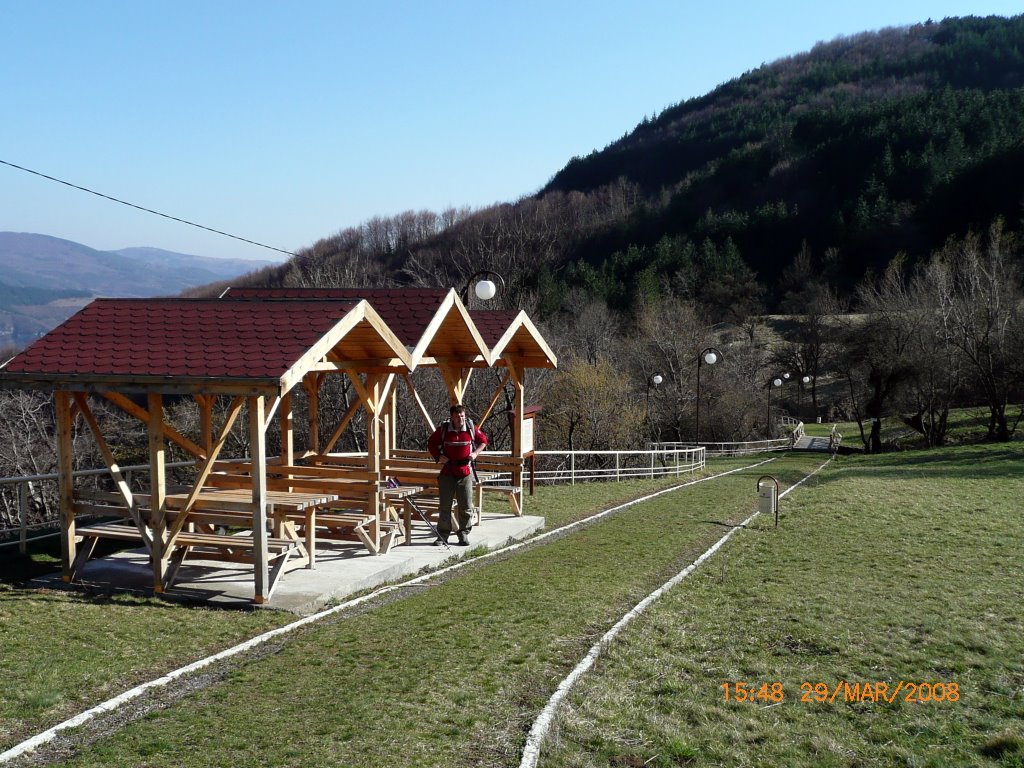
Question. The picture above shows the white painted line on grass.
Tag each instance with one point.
(541, 726)
(111, 704)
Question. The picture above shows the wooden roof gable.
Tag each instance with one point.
(511, 334)
(433, 323)
(203, 345)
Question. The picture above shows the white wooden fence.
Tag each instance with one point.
(580, 466)
(552, 467)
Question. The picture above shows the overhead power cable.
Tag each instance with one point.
(147, 210)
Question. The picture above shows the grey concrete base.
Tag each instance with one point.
(342, 569)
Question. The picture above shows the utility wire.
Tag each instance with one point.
(147, 210)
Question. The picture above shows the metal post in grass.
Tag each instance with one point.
(769, 498)
(23, 517)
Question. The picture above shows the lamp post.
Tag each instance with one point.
(485, 289)
(708, 355)
(804, 381)
(654, 380)
(775, 382)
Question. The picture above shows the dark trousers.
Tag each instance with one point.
(459, 490)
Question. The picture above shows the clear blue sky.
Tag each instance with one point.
(288, 122)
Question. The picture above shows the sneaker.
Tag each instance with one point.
(463, 539)
(442, 539)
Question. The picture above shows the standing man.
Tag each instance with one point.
(455, 444)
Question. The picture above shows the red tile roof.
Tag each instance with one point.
(492, 323)
(407, 311)
(181, 338)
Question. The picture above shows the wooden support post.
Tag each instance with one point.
(391, 425)
(66, 482)
(312, 386)
(205, 403)
(517, 376)
(457, 380)
(287, 432)
(370, 393)
(258, 451)
(158, 487)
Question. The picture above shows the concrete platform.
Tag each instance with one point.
(342, 569)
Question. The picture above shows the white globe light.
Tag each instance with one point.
(806, 379)
(777, 382)
(785, 375)
(710, 358)
(485, 290)
(656, 379)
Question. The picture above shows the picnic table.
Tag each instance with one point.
(233, 507)
(359, 507)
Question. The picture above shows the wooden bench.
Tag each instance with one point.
(501, 465)
(352, 525)
(213, 546)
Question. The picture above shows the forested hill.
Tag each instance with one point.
(864, 147)
(861, 148)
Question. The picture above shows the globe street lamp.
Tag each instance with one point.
(776, 382)
(654, 380)
(485, 289)
(804, 381)
(708, 355)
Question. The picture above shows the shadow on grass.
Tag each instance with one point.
(982, 461)
(727, 525)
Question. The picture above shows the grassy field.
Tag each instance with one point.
(966, 425)
(452, 673)
(903, 567)
(69, 650)
(899, 567)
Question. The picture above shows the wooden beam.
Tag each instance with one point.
(353, 409)
(143, 415)
(258, 454)
(165, 385)
(419, 402)
(312, 383)
(66, 482)
(287, 431)
(391, 424)
(115, 471)
(498, 392)
(204, 471)
(158, 487)
(517, 427)
(335, 364)
(362, 391)
(205, 403)
(373, 454)
(456, 379)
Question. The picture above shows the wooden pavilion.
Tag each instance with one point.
(254, 347)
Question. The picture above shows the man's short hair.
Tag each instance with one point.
(457, 409)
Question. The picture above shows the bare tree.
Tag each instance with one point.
(876, 360)
(980, 303)
(591, 407)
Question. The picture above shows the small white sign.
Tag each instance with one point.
(527, 436)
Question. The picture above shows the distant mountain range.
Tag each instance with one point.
(44, 280)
